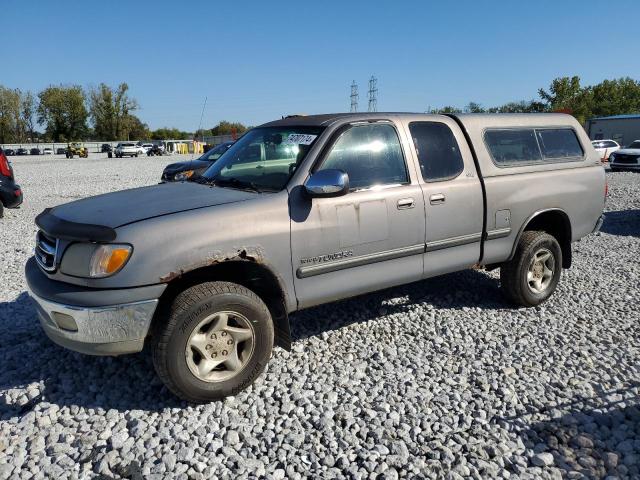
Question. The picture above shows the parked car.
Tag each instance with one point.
(605, 148)
(9, 151)
(22, 151)
(304, 211)
(106, 148)
(127, 150)
(627, 158)
(76, 148)
(34, 151)
(185, 170)
(61, 151)
(147, 147)
(10, 193)
(47, 151)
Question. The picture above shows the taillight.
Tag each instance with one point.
(5, 169)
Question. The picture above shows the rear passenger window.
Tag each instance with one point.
(513, 146)
(438, 152)
(559, 143)
(371, 155)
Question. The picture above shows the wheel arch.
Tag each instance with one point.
(253, 275)
(553, 221)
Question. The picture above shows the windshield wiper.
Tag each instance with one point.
(235, 183)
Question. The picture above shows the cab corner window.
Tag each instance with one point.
(370, 154)
(438, 152)
(559, 143)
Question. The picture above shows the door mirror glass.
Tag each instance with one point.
(327, 183)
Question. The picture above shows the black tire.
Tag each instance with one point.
(514, 273)
(136, 155)
(174, 326)
(1, 210)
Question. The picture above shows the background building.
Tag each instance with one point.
(624, 129)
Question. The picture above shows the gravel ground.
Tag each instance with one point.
(440, 378)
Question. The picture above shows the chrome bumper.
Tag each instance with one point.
(108, 330)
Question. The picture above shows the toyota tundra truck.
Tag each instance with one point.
(308, 210)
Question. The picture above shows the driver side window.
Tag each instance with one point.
(371, 155)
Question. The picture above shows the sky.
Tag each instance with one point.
(255, 61)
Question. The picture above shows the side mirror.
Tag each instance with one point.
(327, 183)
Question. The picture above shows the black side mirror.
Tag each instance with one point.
(327, 183)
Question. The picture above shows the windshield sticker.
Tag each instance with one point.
(300, 139)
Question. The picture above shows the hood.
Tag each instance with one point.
(628, 151)
(190, 165)
(127, 206)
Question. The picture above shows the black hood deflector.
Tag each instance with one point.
(66, 230)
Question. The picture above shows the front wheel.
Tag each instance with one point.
(213, 341)
(533, 273)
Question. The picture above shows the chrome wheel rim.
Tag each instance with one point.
(220, 346)
(541, 269)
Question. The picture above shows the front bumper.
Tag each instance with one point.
(624, 166)
(73, 317)
(599, 223)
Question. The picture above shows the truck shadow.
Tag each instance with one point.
(32, 363)
(597, 437)
(465, 289)
(622, 222)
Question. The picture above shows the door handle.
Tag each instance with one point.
(405, 203)
(437, 198)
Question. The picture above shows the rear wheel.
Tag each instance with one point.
(533, 273)
(214, 341)
(1, 210)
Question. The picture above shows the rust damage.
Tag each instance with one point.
(247, 254)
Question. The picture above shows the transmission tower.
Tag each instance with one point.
(354, 96)
(373, 94)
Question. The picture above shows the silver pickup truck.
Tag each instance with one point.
(308, 210)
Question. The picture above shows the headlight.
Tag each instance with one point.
(108, 259)
(186, 175)
(612, 156)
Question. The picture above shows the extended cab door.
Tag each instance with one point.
(368, 239)
(452, 195)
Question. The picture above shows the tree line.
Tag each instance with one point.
(566, 94)
(103, 113)
(71, 113)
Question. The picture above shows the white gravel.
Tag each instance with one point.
(437, 379)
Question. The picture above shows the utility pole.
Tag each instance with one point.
(373, 94)
(354, 97)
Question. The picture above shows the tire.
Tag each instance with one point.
(524, 280)
(1, 210)
(202, 308)
(136, 155)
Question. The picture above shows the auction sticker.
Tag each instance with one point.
(300, 139)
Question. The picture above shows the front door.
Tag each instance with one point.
(368, 239)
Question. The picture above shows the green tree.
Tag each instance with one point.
(473, 107)
(135, 128)
(227, 128)
(9, 115)
(567, 95)
(27, 113)
(615, 97)
(166, 133)
(62, 109)
(110, 111)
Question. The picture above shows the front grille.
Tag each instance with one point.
(621, 158)
(45, 252)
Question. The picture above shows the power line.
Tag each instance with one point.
(373, 94)
(354, 96)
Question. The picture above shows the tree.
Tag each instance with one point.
(566, 95)
(27, 112)
(110, 111)
(474, 107)
(9, 115)
(134, 128)
(62, 109)
(522, 106)
(227, 128)
(166, 133)
(615, 97)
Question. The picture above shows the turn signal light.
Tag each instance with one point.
(108, 259)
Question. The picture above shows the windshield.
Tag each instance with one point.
(216, 152)
(635, 144)
(263, 159)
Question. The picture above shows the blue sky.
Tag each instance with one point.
(258, 60)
